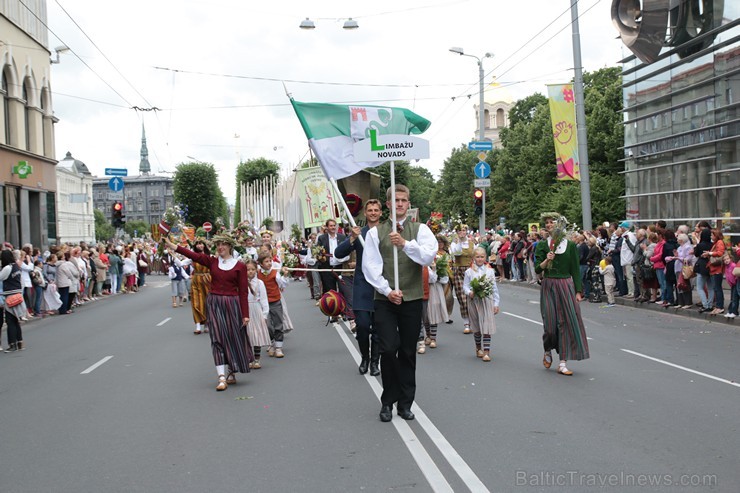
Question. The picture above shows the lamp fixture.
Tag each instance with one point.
(307, 24)
(350, 24)
(58, 50)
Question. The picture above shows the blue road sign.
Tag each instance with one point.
(480, 145)
(482, 169)
(116, 171)
(115, 184)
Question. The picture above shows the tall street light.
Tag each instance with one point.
(481, 119)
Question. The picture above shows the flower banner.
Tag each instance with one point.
(563, 119)
(316, 195)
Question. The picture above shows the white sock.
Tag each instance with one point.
(197, 326)
(221, 369)
(278, 344)
(466, 321)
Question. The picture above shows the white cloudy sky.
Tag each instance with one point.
(398, 57)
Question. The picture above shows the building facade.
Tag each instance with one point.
(28, 181)
(76, 220)
(682, 149)
(497, 103)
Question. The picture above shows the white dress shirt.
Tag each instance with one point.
(421, 250)
(335, 262)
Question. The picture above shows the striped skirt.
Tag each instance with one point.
(200, 287)
(257, 328)
(457, 280)
(481, 315)
(229, 339)
(437, 307)
(561, 316)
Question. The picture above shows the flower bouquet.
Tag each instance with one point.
(560, 231)
(482, 286)
(319, 253)
(443, 265)
(435, 222)
(290, 260)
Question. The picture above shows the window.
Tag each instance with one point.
(6, 109)
(154, 206)
(154, 192)
(27, 116)
(500, 118)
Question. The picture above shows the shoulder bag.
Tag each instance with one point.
(13, 300)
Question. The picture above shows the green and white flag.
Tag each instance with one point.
(332, 129)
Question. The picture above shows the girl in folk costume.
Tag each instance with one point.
(227, 308)
(201, 286)
(177, 277)
(437, 306)
(462, 249)
(274, 281)
(557, 261)
(444, 251)
(480, 288)
(425, 327)
(259, 310)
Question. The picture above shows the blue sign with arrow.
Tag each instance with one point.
(116, 171)
(482, 169)
(115, 184)
(480, 145)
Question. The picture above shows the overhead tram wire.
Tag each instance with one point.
(75, 54)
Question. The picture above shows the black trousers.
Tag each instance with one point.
(398, 327)
(328, 281)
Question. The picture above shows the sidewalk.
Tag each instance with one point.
(691, 313)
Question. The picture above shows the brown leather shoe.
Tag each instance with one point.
(221, 383)
(547, 360)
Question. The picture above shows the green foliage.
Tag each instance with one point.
(103, 228)
(454, 194)
(422, 185)
(196, 186)
(141, 227)
(295, 232)
(523, 110)
(250, 171)
(267, 222)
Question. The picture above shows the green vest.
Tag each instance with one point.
(409, 272)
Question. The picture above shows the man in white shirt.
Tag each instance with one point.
(329, 241)
(626, 255)
(398, 308)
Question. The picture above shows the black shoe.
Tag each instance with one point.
(11, 348)
(449, 321)
(374, 369)
(701, 310)
(406, 414)
(363, 366)
(386, 413)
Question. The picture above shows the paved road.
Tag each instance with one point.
(657, 398)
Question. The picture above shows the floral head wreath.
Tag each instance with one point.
(461, 226)
(266, 232)
(554, 216)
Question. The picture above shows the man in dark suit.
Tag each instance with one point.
(363, 293)
(329, 241)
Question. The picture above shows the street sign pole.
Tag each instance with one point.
(481, 137)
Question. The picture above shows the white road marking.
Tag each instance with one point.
(102, 361)
(164, 321)
(729, 382)
(533, 321)
(430, 470)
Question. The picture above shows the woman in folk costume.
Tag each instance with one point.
(557, 261)
(201, 286)
(437, 306)
(462, 249)
(259, 310)
(483, 302)
(227, 308)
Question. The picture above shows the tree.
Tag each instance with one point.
(523, 110)
(250, 171)
(196, 186)
(422, 185)
(454, 194)
(103, 228)
(140, 227)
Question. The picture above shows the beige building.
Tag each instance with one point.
(28, 181)
(75, 201)
(497, 102)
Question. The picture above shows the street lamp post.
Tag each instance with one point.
(481, 120)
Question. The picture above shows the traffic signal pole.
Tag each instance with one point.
(481, 136)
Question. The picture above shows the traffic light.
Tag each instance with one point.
(478, 196)
(118, 216)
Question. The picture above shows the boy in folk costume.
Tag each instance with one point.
(462, 249)
(274, 282)
(483, 302)
(562, 289)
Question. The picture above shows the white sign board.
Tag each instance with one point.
(390, 147)
(115, 195)
(482, 182)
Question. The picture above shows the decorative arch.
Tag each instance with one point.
(11, 76)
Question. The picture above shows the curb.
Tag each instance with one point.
(690, 313)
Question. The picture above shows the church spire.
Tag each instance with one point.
(144, 167)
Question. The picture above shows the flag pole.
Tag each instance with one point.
(395, 222)
(346, 208)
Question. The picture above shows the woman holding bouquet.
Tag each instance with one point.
(479, 285)
(227, 308)
(200, 287)
(561, 291)
(439, 279)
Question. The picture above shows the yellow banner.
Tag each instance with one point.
(316, 194)
(563, 119)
